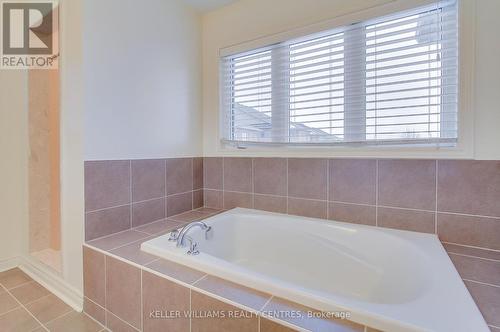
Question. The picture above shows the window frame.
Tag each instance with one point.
(464, 145)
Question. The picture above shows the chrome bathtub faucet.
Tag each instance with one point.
(181, 236)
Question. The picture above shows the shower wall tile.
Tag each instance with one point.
(487, 299)
(198, 173)
(477, 268)
(353, 213)
(469, 186)
(148, 211)
(307, 178)
(238, 174)
(473, 231)
(407, 220)
(307, 208)
(197, 199)
(353, 180)
(177, 204)
(129, 193)
(270, 176)
(108, 221)
(213, 198)
(148, 179)
(407, 184)
(179, 175)
(236, 199)
(270, 203)
(212, 173)
(107, 184)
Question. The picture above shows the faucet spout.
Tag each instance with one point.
(182, 234)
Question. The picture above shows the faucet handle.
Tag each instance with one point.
(174, 235)
(193, 249)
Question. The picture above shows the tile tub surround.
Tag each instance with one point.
(122, 194)
(459, 200)
(125, 293)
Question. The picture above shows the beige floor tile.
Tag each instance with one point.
(13, 278)
(29, 292)
(18, 320)
(7, 302)
(74, 322)
(48, 308)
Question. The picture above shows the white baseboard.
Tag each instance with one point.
(51, 280)
(8, 264)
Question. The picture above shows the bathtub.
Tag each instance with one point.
(387, 279)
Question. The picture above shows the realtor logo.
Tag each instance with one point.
(29, 35)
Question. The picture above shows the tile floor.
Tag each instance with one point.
(27, 306)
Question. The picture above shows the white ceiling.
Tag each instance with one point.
(207, 5)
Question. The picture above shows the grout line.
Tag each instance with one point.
(328, 163)
(105, 290)
(475, 257)
(287, 208)
(481, 283)
(130, 191)
(469, 215)
(142, 303)
(253, 183)
(145, 235)
(123, 321)
(199, 279)
(223, 184)
(20, 285)
(128, 243)
(141, 201)
(436, 204)
(66, 313)
(107, 208)
(190, 310)
(474, 247)
(95, 320)
(41, 298)
(165, 171)
(376, 192)
(24, 284)
(26, 309)
(117, 233)
(9, 311)
(192, 183)
(267, 302)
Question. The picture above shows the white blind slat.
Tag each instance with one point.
(388, 80)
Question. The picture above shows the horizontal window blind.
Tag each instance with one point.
(391, 80)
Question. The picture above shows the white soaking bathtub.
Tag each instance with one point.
(387, 279)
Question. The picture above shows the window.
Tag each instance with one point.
(391, 80)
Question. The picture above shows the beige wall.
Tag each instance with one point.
(487, 80)
(13, 164)
(248, 20)
(142, 79)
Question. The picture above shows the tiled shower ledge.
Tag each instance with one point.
(125, 246)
